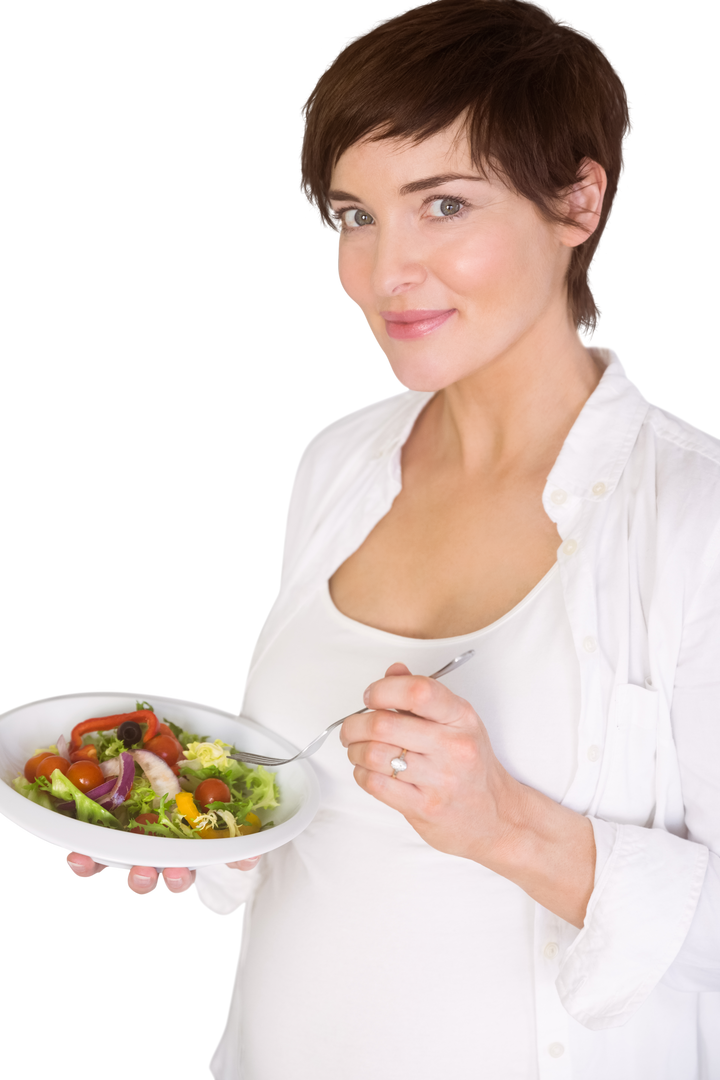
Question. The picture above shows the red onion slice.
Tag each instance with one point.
(113, 791)
(162, 779)
(62, 746)
(111, 767)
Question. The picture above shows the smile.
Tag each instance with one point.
(414, 324)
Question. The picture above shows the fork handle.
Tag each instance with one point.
(456, 663)
(344, 718)
(444, 671)
(438, 674)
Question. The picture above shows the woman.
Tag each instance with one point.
(520, 882)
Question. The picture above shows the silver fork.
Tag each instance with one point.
(260, 759)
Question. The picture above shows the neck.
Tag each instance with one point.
(516, 411)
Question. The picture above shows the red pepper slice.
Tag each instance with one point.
(150, 719)
(104, 723)
(85, 753)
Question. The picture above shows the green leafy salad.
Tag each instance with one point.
(132, 772)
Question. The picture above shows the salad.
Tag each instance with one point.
(134, 773)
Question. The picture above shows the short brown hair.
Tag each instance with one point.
(539, 98)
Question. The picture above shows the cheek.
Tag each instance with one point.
(496, 264)
(355, 270)
(492, 270)
(506, 274)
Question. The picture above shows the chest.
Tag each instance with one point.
(450, 557)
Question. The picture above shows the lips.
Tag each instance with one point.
(412, 316)
(421, 324)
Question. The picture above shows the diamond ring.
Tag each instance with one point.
(398, 764)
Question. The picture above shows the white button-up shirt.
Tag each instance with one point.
(635, 495)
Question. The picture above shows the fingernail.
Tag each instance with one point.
(76, 865)
(173, 882)
(140, 879)
(366, 695)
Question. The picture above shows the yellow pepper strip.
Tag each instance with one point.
(188, 809)
(186, 805)
(253, 825)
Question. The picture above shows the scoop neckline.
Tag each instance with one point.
(374, 631)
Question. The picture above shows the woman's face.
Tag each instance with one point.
(451, 268)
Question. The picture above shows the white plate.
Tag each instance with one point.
(24, 729)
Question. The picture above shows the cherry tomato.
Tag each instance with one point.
(143, 819)
(32, 764)
(49, 764)
(212, 790)
(85, 775)
(165, 746)
(164, 730)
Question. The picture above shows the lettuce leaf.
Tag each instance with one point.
(262, 788)
(33, 792)
(87, 809)
(253, 788)
(184, 737)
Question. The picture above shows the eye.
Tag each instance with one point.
(450, 201)
(340, 217)
(446, 207)
(356, 214)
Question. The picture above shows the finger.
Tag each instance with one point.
(403, 797)
(398, 669)
(379, 757)
(142, 879)
(83, 865)
(395, 729)
(419, 695)
(178, 878)
(245, 864)
(354, 729)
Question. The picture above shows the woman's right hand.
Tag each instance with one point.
(143, 879)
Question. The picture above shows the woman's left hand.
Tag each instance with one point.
(454, 792)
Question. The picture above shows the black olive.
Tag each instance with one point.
(129, 732)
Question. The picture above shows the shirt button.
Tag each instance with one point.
(570, 547)
(599, 489)
(593, 753)
(556, 1050)
(589, 644)
(551, 950)
(558, 497)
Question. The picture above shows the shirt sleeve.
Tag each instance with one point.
(697, 965)
(654, 914)
(222, 889)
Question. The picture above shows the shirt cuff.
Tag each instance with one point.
(696, 968)
(222, 889)
(605, 833)
(647, 887)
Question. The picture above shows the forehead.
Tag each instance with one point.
(400, 162)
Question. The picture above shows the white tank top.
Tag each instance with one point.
(370, 954)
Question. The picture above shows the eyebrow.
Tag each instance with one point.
(409, 189)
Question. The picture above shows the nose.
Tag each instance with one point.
(398, 262)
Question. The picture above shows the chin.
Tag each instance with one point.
(425, 373)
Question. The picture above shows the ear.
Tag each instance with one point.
(582, 204)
